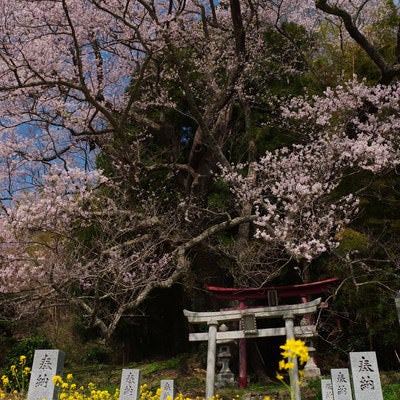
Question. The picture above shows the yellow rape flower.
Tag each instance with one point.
(57, 380)
(292, 351)
(295, 348)
(289, 365)
(5, 380)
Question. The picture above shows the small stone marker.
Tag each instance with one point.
(46, 365)
(365, 373)
(130, 384)
(167, 386)
(326, 389)
(341, 384)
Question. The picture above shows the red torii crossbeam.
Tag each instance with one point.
(299, 290)
(302, 290)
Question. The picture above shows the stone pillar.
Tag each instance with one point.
(293, 373)
(46, 365)
(130, 384)
(397, 302)
(167, 389)
(211, 355)
(242, 355)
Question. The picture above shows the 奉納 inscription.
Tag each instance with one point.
(46, 365)
(365, 375)
(341, 384)
(130, 384)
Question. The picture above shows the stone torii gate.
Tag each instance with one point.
(271, 294)
(248, 318)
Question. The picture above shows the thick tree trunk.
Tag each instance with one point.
(203, 157)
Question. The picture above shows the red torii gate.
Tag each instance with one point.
(272, 294)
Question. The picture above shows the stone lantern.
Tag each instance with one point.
(225, 376)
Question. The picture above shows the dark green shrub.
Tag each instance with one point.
(19, 358)
(97, 354)
(27, 347)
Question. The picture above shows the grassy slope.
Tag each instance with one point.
(189, 379)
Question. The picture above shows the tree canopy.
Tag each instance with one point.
(135, 135)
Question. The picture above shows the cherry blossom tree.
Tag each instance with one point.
(103, 200)
(79, 82)
(293, 192)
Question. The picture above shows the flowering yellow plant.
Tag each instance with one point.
(295, 348)
(16, 380)
(68, 390)
(294, 352)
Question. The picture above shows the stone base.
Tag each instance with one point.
(311, 371)
(225, 380)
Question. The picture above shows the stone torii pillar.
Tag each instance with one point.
(294, 372)
(211, 357)
(248, 318)
(242, 355)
